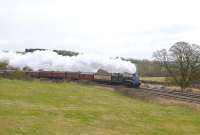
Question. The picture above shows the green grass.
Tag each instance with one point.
(154, 79)
(44, 108)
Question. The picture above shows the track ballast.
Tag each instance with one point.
(175, 95)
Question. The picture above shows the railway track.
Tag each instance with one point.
(183, 96)
(175, 95)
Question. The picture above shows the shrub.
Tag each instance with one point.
(3, 65)
(19, 75)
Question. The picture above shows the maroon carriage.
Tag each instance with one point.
(87, 76)
(72, 75)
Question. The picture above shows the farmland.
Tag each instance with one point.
(163, 81)
(36, 108)
(154, 79)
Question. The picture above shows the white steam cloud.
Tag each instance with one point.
(51, 61)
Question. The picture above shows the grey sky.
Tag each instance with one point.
(129, 28)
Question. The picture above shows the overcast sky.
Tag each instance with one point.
(128, 28)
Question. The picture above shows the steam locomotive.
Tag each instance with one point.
(130, 80)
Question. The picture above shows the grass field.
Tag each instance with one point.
(44, 108)
(154, 79)
(163, 81)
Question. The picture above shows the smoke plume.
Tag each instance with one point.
(51, 61)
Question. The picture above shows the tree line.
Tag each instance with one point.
(151, 68)
(59, 52)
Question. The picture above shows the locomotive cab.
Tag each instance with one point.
(131, 80)
(135, 81)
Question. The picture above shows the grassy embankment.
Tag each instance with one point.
(163, 81)
(43, 108)
(160, 80)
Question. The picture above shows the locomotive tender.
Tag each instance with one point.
(130, 80)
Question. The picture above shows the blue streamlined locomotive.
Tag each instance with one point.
(130, 80)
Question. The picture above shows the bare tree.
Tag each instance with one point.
(182, 62)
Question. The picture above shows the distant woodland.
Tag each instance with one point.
(144, 67)
(149, 68)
